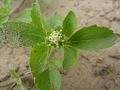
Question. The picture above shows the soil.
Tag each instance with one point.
(99, 70)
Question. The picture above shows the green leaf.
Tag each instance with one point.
(16, 77)
(4, 11)
(54, 21)
(93, 38)
(12, 38)
(3, 19)
(49, 80)
(70, 57)
(7, 2)
(69, 24)
(44, 80)
(20, 33)
(18, 80)
(56, 62)
(38, 59)
(55, 79)
(35, 14)
(37, 18)
(48, 1)
(24, 16)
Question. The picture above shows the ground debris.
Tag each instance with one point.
(105, 70)
(117, 57)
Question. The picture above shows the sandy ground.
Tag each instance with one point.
(98, 70)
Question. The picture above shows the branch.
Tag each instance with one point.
(16, 8)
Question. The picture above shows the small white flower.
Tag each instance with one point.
(55, 37)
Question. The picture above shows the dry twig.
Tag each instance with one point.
(16, 8)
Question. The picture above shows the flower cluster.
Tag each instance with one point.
(55, 38)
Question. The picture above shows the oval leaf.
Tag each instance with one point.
(37, 18)
(69, 24)
(49, 80)
(24, 16)
(70, 57)
(54, 21)
(3, 19)
(93, 38)
(21, 33)
(38, 59)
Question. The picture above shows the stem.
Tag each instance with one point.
(52, 53)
